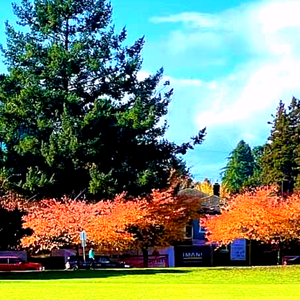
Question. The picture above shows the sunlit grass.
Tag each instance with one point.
(176, 283)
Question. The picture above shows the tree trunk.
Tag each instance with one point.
(250, 253)
(77, 252)
(279, 255)
(145, 257)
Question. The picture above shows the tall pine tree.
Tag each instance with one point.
(256, 179)
(74, 117)
(280, 159)
(239, 169)
(294, 116)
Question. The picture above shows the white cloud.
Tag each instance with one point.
(258, 27)
(252, 90)
(277, 15)
(195, 19)
(247, 58)
(179, 83)
(270, 16)
(264, 35)
(141, 75)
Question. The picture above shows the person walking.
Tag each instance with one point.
(68, 264)
(92, 257)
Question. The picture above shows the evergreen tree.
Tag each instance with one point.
(294, 126)
(280, 159)
(253, 178)
(74, 117)
(239, 169)
(256, 179)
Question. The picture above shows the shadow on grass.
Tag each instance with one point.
(81, 274)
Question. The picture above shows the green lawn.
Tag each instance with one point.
(177, 283)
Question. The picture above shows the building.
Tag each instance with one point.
(195, 251)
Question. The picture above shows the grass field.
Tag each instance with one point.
(177, 283)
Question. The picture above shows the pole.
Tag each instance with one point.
(83, 249)
(83, 242)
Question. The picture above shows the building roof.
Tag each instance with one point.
(209, 203)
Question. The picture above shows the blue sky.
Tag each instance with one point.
(229, 63)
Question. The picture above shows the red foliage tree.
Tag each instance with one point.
(165, 216)
(260, 215)
(109, 230)
(119, 224)
(57, 223)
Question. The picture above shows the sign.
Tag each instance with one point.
(82, 236)
(83, 242)
(192, 256)
(238, 250)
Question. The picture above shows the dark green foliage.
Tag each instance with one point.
(11, 230)
(239, 169)
(280, 159)
(74, 117)
(277, 162)
(256, 179)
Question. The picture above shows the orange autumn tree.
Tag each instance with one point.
(109, 231)
(260, 215)
(121, 224)
(205, 187)
(165, 216)
(57, 223)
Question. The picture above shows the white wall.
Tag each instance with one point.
(166, 250)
